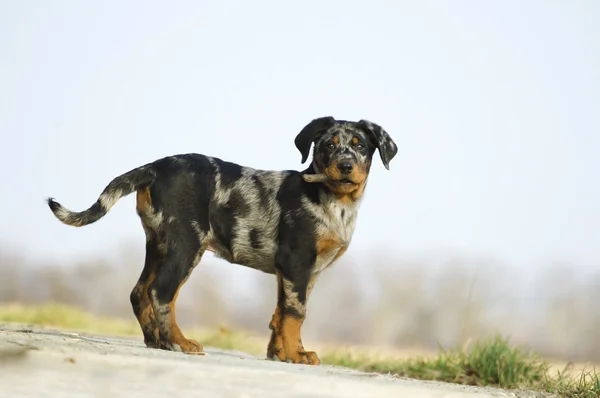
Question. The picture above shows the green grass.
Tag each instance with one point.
(489, 362)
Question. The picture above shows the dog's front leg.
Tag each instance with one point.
(286, 341)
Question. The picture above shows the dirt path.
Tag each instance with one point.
(48, 363)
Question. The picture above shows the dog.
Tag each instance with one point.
(290, 224)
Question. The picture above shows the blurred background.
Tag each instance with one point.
(487, 221)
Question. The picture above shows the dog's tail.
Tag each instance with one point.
(119, 187)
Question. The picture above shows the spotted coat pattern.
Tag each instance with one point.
(273, 221)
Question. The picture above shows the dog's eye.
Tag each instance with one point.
(331, 145)
(359, 146)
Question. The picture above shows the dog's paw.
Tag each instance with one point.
(187, 346)
(277, 351)
(298, 357)
(190, 346)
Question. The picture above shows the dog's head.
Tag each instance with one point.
(344, 150)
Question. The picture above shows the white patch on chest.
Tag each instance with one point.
(335, 226)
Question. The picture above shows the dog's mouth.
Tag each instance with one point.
(343, 181)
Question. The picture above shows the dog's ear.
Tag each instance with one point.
(384, 143)
(310, 133)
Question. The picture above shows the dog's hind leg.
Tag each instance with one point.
(183, 252)
(140, 301)
(155, 254)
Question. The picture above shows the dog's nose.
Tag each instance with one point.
(345, 167)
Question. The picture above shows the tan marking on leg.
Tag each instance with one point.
(286, 343)
(151, 219)
(177, 337)
(275, 344)
(147, 319)
(173, 334)
(293, 350)
(143, 200)
(290, 335)
(275, 319)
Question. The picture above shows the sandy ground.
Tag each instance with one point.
(48, 363)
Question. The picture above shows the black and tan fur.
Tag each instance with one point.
(273, 221)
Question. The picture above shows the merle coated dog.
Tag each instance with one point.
(287, 223)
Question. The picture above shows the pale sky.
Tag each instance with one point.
(494, 105)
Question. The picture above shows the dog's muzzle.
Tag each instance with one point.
(345, 167)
